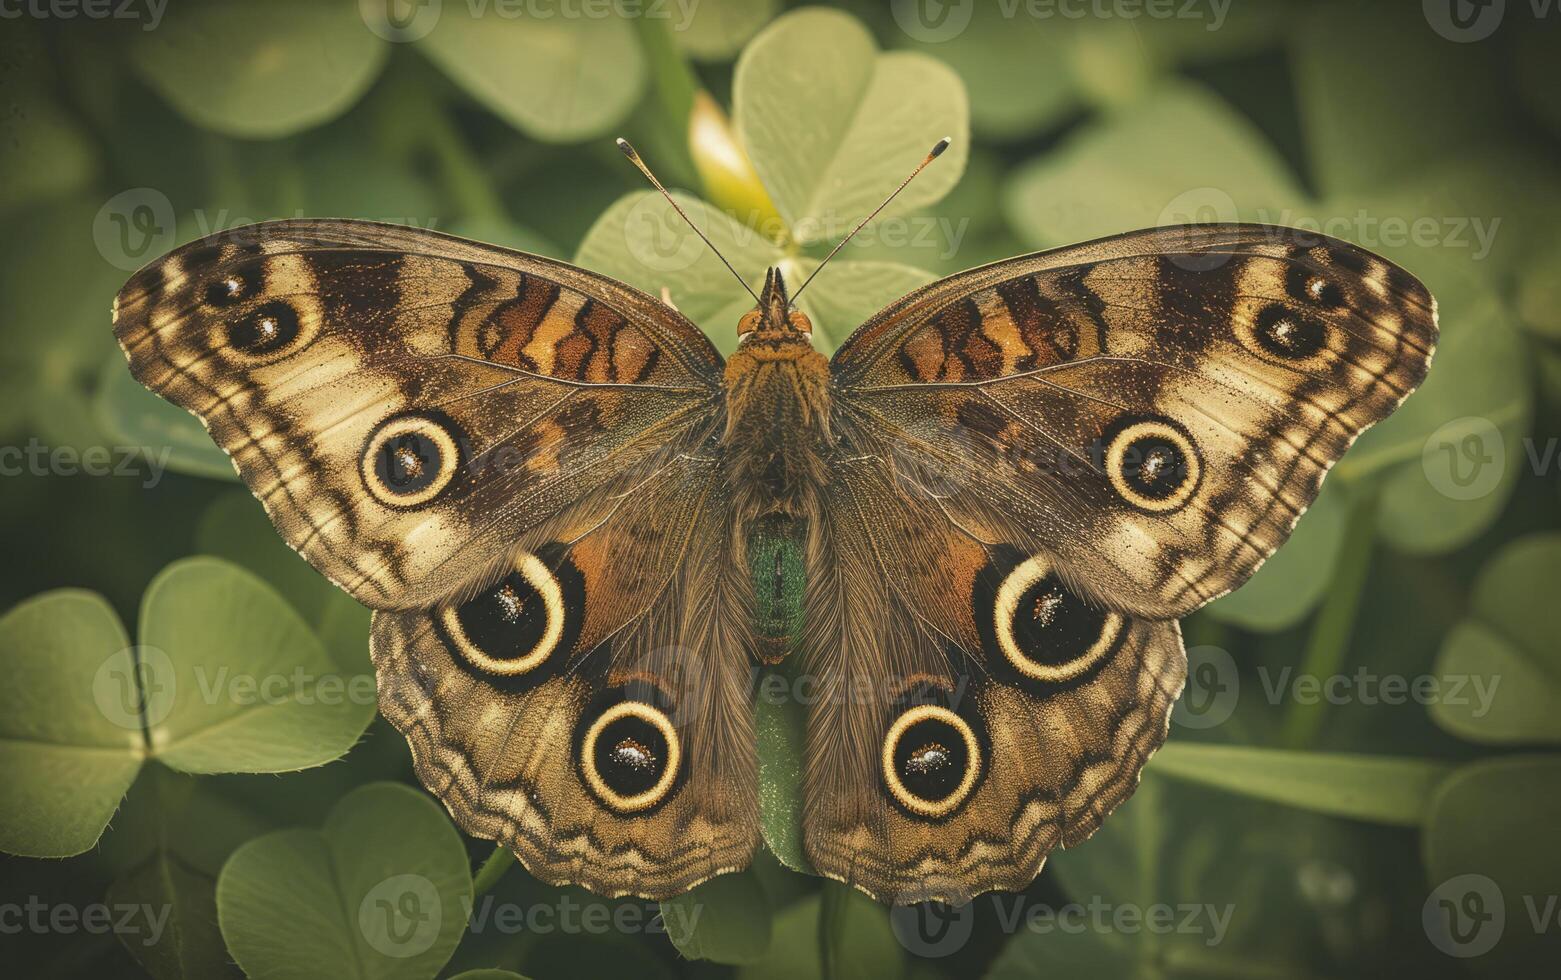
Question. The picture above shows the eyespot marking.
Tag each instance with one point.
(1046, 632)
(1152, 464)
(264, 331)
(410, 459)
(931, 760)
(630, 756)
(227, 290)
(514, 627)
(1309, 287)
(1287, 334)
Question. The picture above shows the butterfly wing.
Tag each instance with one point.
(515, 383)
(507, 457)
(1046, 461)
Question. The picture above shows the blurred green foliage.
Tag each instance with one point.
(1330, 828)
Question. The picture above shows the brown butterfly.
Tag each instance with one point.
(975, 526)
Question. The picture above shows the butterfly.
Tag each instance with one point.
(972, 530)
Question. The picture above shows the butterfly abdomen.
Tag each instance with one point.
(777, 570)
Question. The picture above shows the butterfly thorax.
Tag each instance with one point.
(777, 403)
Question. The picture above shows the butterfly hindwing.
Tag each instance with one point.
(616, 756)
(948, 751)
(509, 459)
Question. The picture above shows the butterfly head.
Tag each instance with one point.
(773, 318)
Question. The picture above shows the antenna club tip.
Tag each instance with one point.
(940, 146)
(627, 149)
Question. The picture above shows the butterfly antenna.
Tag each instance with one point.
(933, 154)
(634, 158)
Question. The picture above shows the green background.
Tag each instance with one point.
(278, 837)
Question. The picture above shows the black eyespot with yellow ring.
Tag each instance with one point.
(1152, 463)
(933, 756)
(1036, 632)
(409, 460)
(523, 628)
(628, 753)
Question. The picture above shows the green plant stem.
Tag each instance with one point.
(672, 88)
(1328, 643)
(419, 112)
(492, 870)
